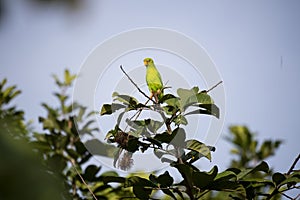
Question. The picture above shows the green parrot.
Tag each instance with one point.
(153, 80)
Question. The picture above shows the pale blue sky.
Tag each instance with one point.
(255, 45)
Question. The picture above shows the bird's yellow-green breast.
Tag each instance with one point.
(153, 77)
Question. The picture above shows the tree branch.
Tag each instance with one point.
(293, 165)
(137, 87)
(213, 87)
(83, 181)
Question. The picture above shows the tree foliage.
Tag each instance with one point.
(55, 164)
(249, 176)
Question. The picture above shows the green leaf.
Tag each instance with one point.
(290, 181)
(138, 181)
(278, 178)
(164, 137)
(167, 160)
(69, 78)
(91, 172)
(96, 147)
(72, 153)
(173, 102)
(153, 178)
(205, 109)
(186, 171)
(262, 167)
(108, 109)
(113, 179)
(180, 119)
(141, 192)
(200, 147)
(166, 97)
(204, 179)
(170, 110)
(204, 98)
(178, 137)
(154, 141)
(154, 125)
(187, 97)
(126, 99)
(40, 145)
(117, 155)
(225, 176)
(158, 153)
(80, 148)
(57, 162)
(165, 180)
(168, 192)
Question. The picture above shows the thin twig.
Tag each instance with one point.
(73, 163)
(213, 87)
(137, 87)
(293, 165)
(287, 196)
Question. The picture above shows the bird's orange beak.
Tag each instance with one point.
(146, 63)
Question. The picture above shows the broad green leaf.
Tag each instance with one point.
(90, 172)
(168, 192)
(238, 193)
(204, 179)
(126, 99)
(180, 119)
(165, 180)
(204, 98)
(153, 178)
(225, 176)
(133, 145)
(205, 109)
(166, 97)
(187, 97)
(170, 110)
(262, 167)
(141, 192)
(178, 137)
(278, 178)
(158, 153)
(57, 162)
(138, 181)
(108, 109)
(200, 147)
(291, 180)
(96, 147)
(186, 171)
(154, 125)
(173, 102)
(80, 147)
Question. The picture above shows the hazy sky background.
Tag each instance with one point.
(255, 45)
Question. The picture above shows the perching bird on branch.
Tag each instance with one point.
(153, 80)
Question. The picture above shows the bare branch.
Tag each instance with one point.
(137, 87)
(73, 163)
(293, 165)
(213, 87)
